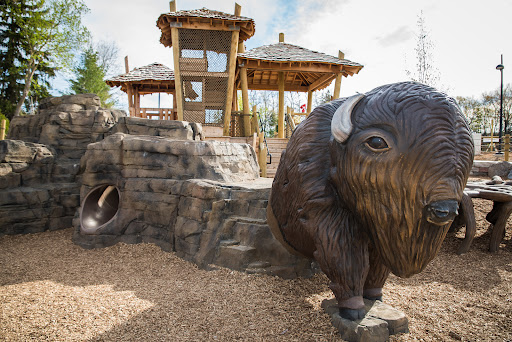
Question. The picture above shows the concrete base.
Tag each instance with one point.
(381, 320)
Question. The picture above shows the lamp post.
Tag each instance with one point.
(500, 67)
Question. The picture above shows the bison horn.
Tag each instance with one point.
(341, 124)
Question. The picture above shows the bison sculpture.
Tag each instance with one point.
(370, 185)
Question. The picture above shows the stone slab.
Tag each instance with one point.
(381, 321)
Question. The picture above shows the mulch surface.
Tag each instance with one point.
(51, 289)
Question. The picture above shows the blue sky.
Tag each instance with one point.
(469, 35)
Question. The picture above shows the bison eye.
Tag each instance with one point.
(377, 144)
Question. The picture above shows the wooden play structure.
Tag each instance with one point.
(211, 65)
(149, 79)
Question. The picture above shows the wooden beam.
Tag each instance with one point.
(177, 73)
(275, 87)
(231, 81)
(194, 25)
(280, 118)
(327, 78)
(281, 37)
(126, 67)
(258, 64)
(172, 5)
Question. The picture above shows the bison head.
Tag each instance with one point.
(401, 156)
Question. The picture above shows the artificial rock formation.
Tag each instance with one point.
(155, 180)
(40, 161)
(202, 199)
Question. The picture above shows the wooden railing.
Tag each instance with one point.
(152, 113)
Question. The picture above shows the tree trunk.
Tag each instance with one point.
(26, 89)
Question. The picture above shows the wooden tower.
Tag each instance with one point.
(205, 46)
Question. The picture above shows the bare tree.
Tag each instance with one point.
(425, 71)
(108, 57)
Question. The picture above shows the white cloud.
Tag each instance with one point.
(469, 35)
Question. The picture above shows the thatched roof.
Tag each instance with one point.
(204, 19)
(155, 77)
(305, 70)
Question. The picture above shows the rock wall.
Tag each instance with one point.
(40, 162)
(30, 200)
(202, 199)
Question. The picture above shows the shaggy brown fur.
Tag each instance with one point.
(361, 212)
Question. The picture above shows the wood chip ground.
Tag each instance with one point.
(53, 290)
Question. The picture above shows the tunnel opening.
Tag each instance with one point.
(99, 207)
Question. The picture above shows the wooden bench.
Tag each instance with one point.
(496, 190)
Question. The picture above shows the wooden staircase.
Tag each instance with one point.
(275, 148)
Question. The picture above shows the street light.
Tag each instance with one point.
(500, 67)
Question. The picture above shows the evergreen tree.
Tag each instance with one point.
(37, 37)
(89, 78)
(13, 61)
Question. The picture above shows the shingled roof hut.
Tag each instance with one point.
(286, 67)
(149, 79)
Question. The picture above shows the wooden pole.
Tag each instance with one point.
(245, 95)
(126, 67)
(255, 122)
(310, 102)
(137, 102)
(280, 118)
(174, 106)
(172, 5)
(231, 81)
(238, 10)
(262, 158)
(2, 129)
(337, 83)
(128, 88)
(177, 73)
(507, 146)
(281, 37)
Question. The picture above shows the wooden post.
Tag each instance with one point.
(231, 81)
(245, 95)
(255, 123)
(136, 99)
(172, 5)
(174, 106)
(126, 67)
(310, 102)
(262, 157)
(177, 73)
(507, 146)
(238, 10)
(128, 88)
(2, 129)
(337, 83)
(281, 37)
(280, 118)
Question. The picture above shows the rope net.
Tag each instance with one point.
(204, 60)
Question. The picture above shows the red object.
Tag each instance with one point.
(303, 108)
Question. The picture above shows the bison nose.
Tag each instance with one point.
(442, 212)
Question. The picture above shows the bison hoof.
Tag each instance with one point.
(374, 297)
(352, 314)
